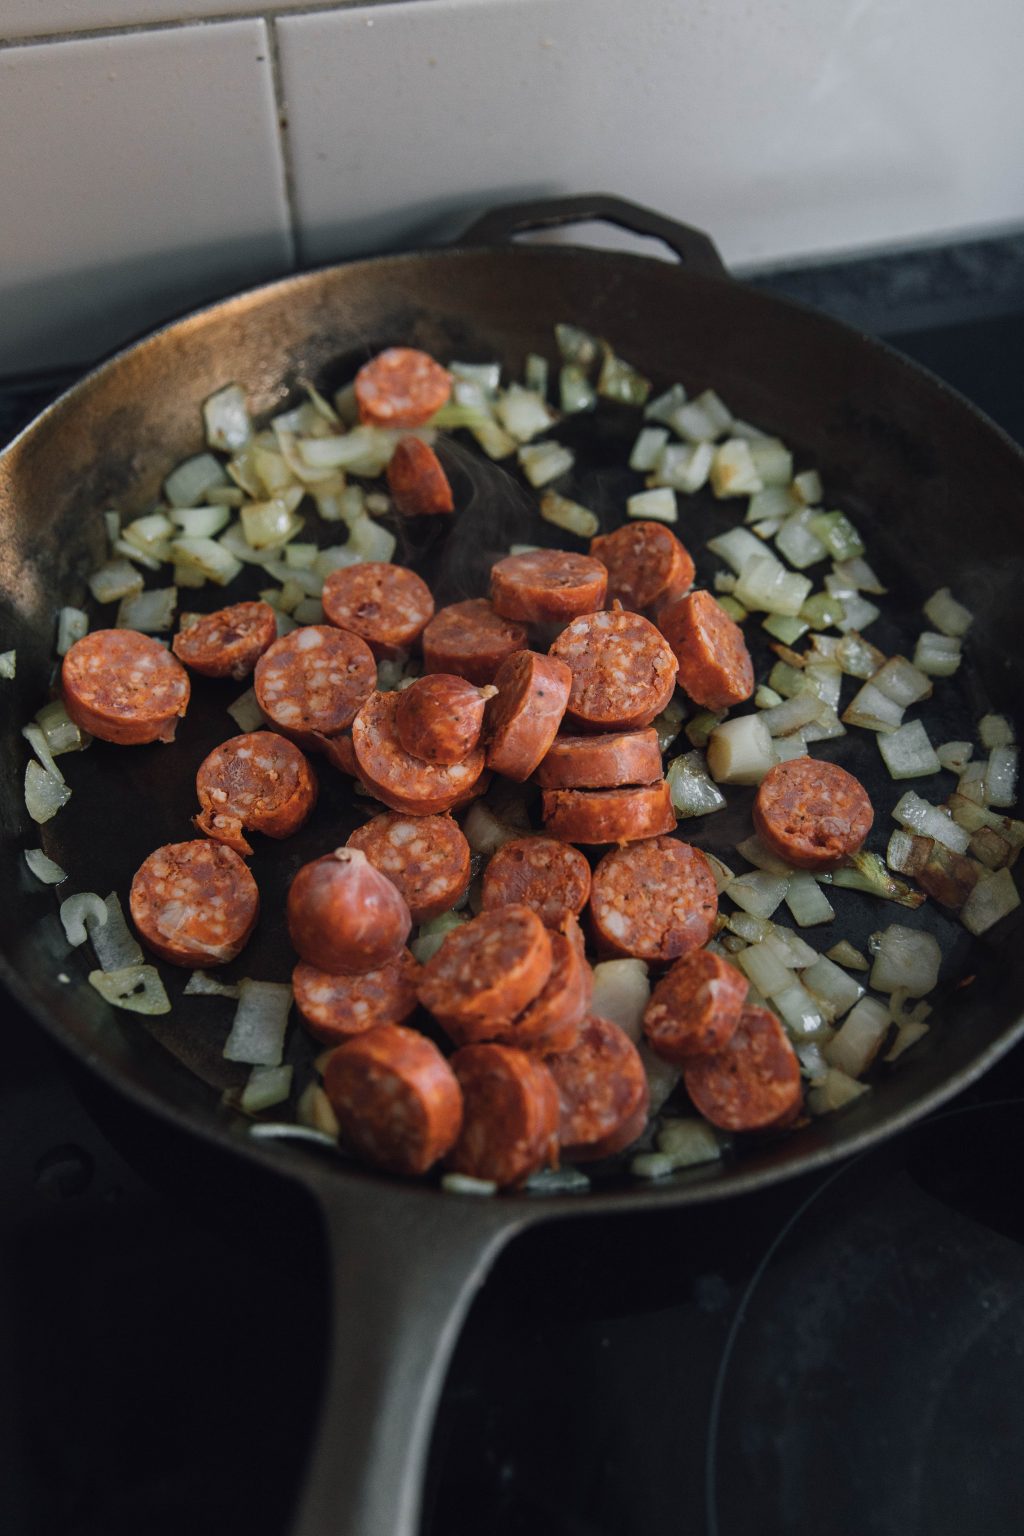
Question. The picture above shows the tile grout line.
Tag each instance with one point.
(132, 29)
(283, 138)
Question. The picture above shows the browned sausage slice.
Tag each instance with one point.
(227, 643)
(751, 1085)
(401, 387)
(510, 1115)
(602, 1091)
(613, 761)
(541, 873)
(401, 781)
(547, 586)
(811, 813)
(419, 486)
(623, 672)
(489, 969)
(592, 816)
(524, 718)
(426, 858)
(695, 1009)
(551, 1023)
(440, 717)
(124, 687)
(715, 668)
(386, 605)
(344, 916)
(471, 640)
(645, 562)
(397, 1100)
(654, 901)
(260, 782)
(334, 1008)
(194, 903)
(312, 681)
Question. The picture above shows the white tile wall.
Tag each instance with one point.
(139, 175)
(144, 170)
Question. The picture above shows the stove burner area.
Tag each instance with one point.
(873, 1381)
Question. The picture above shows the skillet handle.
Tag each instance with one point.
(694, 249)
(404, 1266)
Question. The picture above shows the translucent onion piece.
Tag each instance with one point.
(700, 727)
(906, 958)
(832, 985)
(859, 1039)
(902, 682)
(44, 793)
(801, 1013)
(908, 753)
(954, 755)
(871, 709)
(907, 1034)
(948, 616)
(523, 413)
(807, 901)
(702, 419)
(8, 664)
(72, 624)
(740, 751)
(683, 468)
(246, 713)
(36, 739)
(265, 1087)
(202, 522)
(681, 1144)
(137, 988)
(486, 832)
(563, 513)
(465, 1184)
(995, 731)
(772, 460)
(116, 946)
(43, 868)
(657, 506)
(929, 821)
(647, 449)
(202, 984)
(970, 816)
(557, 1181)
(838, 535)
(866, 872)
(754, 851)
(844, 953)
(762, 966)
(766, 586)
(226, 416)
(1001, 776)
(260, 1022)
(693, 792)
(758, 892)
(856, 573)
(836, 1091)
(669, 723)
(621, 993)
(733, 471)
(149, 612)
(431, 935)
(662, 408)
(802, 709)
(315, 1111)
(370, 541)
(189, 483)
(937, 655)
(210, 557)
(619, 380)
(76, 910)
(991, 900)
(113, 581)
(543, 462)
(797, 544)
(738, 548)
(309, 611)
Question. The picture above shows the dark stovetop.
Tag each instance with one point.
(844, 1355)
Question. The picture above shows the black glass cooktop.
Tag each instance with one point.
(843, 1355)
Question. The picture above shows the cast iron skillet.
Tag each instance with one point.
(938, 490)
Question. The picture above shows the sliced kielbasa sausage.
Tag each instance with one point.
(124, 687)
(715, 668)
(386, 605)
(695, 1008)
(523, 719)
(397, 1100)
(393, 775)
(753, 1084)
(646, 564)
(623, 671)
(334, 1007)
(426, 858)
(312, 681)
(419, 486)
(194, 903)
(654, 900)
(440, 717)
(259, 782)
(344, 916)
(510, 1115)
(401, 387)
(471, 640)
(489, 969)
(592, 816)
(811, 813)
(542, 873)
(547, 586)
(613, 761)
(227, 643)
(602, 1091)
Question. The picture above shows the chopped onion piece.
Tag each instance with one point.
(907, 1034)
(693, 792)
(838, 535)
(189, 483)
(871, 709)
(315, 1111)
(906, 852)
(948, 616)
(807, 487)
(734, 609)
(211, 557)
(788, 747)
(825, 728)
(619, 380)
(72, 624)
(954, 755)
(658, 505)
(40, 746)
(833, 985)
(1001, 776)
(800, 710)
(44, 793)
(137, 988)
(486, 832)
(858, 613)
(261, 1019)
(647, 449)
(773, 503)
(576, 345)
(202, 984)
(825, 679)
(683, 467)
(681, 1144)
(938, 655)
(543, 462)
(754, 851)
(844, 953)
(246, 713)
(966, 814)
(114, 580)
(226, 415)
(563, 513)
(907, 753)
(900, 681)
(766, 586)
(265, 1087)
(930, 821)
(906, 958)
(486, 376)
(763, 968)
(758, 892)
(740, 751)
(858, 575)
(826, 610)
(990, 849)
(739, 548)
(766, 698)
(973, 781)
(74, 912)
(431, 935)
(116, 946)
(797, 543)
(700, 727)
(8, 664)
(149, 612)
(866, 872)
(494, 440)
(733, 472)
(794, 952)
(837, 1090)
(807, 901)
(202, 522)
(772, 460)
(663, 407)
(857, 1042)
(856, 656)
(702, 419)
(523, 413)
(995, 731)
(990, 901)
(465, 1184)
(752, 930)
(309, 611)
(800, 1012)
(557, 1181)
(669, 723)
(621, 992)
(43, 868)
